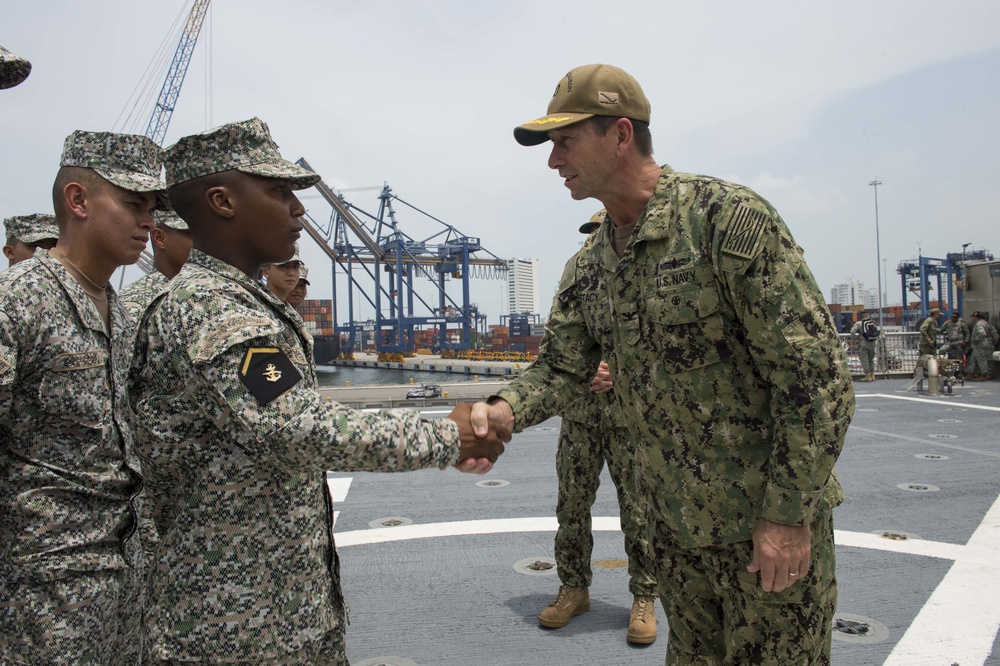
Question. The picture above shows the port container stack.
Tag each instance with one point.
(318, 316)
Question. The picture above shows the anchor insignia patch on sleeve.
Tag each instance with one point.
(267, 373)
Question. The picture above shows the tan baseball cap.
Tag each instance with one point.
(935, 311)
(585, 92)
(596, 220)
(13, 69)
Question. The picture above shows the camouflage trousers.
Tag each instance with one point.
(718, 615)
(327, 651)
(580, 457)
(866, 352)
(81, 618)
(980, 361)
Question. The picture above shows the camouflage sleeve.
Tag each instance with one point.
(287, 423)
(856, 330)
(791, 337)
(928, 332)
(8, 363)
(568, 357)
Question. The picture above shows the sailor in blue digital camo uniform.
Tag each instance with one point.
(171, 243)
(726, 361)
(70, 569)
(235, 435)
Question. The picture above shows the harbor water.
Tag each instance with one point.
(337, 376)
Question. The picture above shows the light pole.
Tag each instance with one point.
(878, 251)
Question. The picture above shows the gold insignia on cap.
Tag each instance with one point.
(546, 121)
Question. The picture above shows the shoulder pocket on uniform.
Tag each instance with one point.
(218, 335)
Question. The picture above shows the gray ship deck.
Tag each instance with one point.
(441, 568)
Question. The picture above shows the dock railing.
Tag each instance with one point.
(895, 353)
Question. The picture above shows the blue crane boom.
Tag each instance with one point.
(157, 128)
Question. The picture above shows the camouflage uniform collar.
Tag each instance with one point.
(216, 265)
(229, 271)
(84, 307)
(650, 226)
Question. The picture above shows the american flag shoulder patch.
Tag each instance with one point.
(744, 232)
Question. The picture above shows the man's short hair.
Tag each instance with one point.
(640, 130)
(187, 197)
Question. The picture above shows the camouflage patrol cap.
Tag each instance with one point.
(32, 228)
(130, 161)
(294, 260)
(245, 146)
(304, 274)
(170, 219)
(585, 92)
(596, 220)
(13, 69)
(934, 311)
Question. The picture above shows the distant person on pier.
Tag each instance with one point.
(27, 233)
(956, 336)
(171, 243)
(235, 434)
(928, 334)
(866, 332)
(984, 340)
(297, 295)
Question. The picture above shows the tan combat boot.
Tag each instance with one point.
(871, 377)
(642, 624)
(570, 602)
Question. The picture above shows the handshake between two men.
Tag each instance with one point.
(483, 429)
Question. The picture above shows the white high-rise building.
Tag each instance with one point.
(853, 292)
(522, 286)
(848, 293)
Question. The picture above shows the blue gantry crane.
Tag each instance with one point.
(395, 264)
(167, 100)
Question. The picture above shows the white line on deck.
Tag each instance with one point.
(928, 400)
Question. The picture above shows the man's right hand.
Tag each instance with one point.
(497, 419)
(477, 443)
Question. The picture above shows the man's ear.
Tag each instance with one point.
(159, 238)
(221, 201)
(77, 200)
(8, 252)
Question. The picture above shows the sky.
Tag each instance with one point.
(805, 102)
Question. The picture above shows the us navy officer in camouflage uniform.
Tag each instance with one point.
(27, 233)
(237, 438)
(69, 563)
(592, 432)
(171, 241)
(726, 361)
